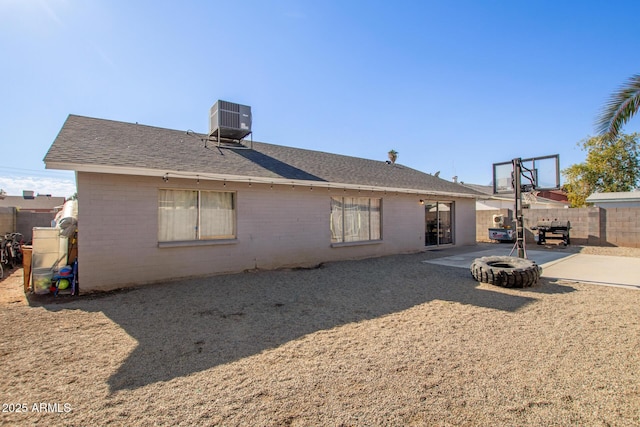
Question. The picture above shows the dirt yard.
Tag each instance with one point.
(386, 341)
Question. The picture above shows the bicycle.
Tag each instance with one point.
(16, 240)
(9, 253)
(5, 258)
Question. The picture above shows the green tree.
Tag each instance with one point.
(611, 165)
(621, 106)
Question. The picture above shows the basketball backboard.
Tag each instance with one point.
(542, 172)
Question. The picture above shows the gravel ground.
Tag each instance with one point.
(385, 341)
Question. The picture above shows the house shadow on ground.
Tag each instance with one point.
(193, 325)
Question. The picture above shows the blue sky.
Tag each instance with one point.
(453, 86)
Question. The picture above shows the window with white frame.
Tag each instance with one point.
(355, 219)
(185, 215)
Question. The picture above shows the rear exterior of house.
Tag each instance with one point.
(157, 204)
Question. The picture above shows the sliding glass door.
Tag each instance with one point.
(438, 223)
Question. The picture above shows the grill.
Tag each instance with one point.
(548, 229)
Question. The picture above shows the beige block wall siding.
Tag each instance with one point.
(7, 220)
(583, 227)
(283, 226)
(622, 226)
(465, 222)
(589, 226)
(585, 224)
(26, 221)
(484, 221)
(15, 220)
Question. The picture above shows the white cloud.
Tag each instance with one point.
(57, 187)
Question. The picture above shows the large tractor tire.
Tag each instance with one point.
(506, 271)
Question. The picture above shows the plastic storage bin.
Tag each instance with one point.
(41, 281)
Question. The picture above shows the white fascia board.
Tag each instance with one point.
(631, 196)
(125, 170)
(613, 200)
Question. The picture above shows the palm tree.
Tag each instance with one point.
(622, 105)
(393, 155)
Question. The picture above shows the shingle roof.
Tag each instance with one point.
(89, 144)
(484, 189)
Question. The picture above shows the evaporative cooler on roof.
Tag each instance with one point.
(230, 122)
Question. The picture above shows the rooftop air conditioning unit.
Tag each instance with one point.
(229, 121)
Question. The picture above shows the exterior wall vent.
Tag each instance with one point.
(230, 123)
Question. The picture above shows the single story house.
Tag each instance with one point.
(158, 204)
(625, 199)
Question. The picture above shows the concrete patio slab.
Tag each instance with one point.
(464, 260)
(596, 269)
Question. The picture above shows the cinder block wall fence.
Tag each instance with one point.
(14, 220)
(589, 226)
(7, 220)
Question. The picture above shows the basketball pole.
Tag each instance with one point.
(500, 175)
(517, 181)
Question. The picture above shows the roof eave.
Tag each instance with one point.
(612, 200)
(138, 171)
